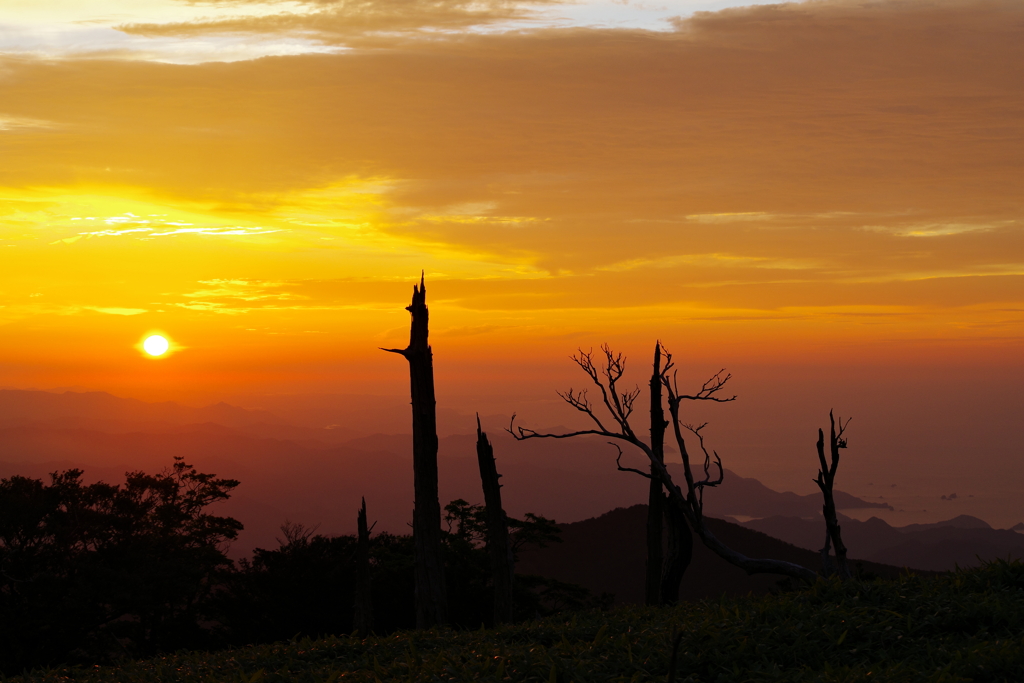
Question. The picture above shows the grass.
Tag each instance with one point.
(965, 626)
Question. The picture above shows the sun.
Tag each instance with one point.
(156, 345)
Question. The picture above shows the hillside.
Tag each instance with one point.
(963, 627)
(607, 554)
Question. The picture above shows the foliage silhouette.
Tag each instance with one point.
(306, 587)
(94, 571)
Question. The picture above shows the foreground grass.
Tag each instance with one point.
(967, 626)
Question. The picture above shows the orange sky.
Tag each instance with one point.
(810, 185)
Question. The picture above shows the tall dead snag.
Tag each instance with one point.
(826, 478)
(431, 597)
(665, 568)
(655, 498)
(678, 553)
(620, 406)
(362, 618)
(498, 543)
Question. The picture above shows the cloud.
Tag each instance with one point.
(733, 162)
(233, 231)
(342, 21)
(117, 311)
(941, 229)
(15, 124)
(242, 290)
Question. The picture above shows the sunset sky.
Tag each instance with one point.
(815, 190)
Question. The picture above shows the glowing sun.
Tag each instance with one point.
(156, 345)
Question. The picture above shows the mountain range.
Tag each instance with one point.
(940, 546)
(607, 554)
(316, 473)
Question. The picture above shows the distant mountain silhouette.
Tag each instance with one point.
(607, 554)
(105, 413)
(315, 475)
(332, 420)
(749, 497)
(941, 546)
(297, 473)
(21, 407)
(958, 522)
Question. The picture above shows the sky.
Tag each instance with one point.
(824, 197)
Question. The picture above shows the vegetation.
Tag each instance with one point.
(98, 571)
(966, 626)
(95, 573)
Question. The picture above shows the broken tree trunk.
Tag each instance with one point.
(431, 596)
(826, 479)
(678, 553)
(362, 618)
(656, 504)
(498, 543)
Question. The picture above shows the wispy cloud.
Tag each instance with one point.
(234, 231)
(161, 228)
(243, 290)
(940, 229)
(15, 124)
(715, 260)
(739, 217)
(112, 310)
(342, 21)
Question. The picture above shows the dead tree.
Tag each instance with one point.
(656, 504)
(431, 596)
(498, 544)
(678, 553)
(669, 541)
(362, 618)
(619, 406)
(826, 479)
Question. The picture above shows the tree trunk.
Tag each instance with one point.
(826, 480)
(431, 596)
(362, 618)
(498, 544)
(656, 507)
(678, 553)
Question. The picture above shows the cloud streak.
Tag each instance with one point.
(339, 22)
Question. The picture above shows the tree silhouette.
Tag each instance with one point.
(619, 407)
(656, 503)
(665, 566)
(362, 616)
(825, 480)
(431, 597)
(499, 545)
(95, 571)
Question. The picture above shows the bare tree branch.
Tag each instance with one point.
(711, 387)
(580, 402)
(618, 463)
